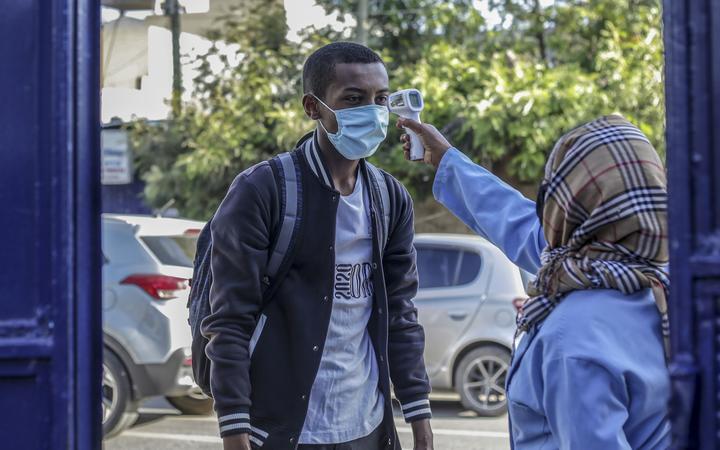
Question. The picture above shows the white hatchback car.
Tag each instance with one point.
(467, 305)
(147, 264)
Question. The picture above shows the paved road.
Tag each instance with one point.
(160, 427)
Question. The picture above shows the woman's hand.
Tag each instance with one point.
(433, 141)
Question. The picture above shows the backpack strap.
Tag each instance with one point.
(291, 202)
(381, 189)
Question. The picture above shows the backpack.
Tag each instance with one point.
(279, 262)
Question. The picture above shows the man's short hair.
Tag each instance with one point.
(319, 68)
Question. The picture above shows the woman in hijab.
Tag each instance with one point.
(589, 371)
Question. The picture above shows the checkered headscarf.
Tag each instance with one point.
(604, 218)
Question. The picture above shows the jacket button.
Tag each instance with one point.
(382, 358)
(334, 197)
(331, 248)
(326, 298)
(292, 440)
(316, 348)
(303, 398)
(266, 279)
(374, 266)
(380, 311)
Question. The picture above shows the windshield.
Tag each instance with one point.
(172, 250)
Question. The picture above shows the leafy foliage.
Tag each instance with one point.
(246, 111)
(502, 91)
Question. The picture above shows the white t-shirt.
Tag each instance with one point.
(345, 402)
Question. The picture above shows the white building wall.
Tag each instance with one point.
(137, 69)
(137, 53)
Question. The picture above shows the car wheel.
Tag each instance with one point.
(194, 403)
(118, 408)
(480, 380)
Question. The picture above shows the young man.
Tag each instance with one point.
(342, 323)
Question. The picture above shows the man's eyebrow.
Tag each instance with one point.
(362, 91)
(354, 89)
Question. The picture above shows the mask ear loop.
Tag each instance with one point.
(323, 103)
(329, 109)
(323, 127)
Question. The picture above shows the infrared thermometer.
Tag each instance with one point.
(407, 104)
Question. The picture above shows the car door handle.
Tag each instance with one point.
(457, 314)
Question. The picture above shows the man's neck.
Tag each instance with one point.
(343, 171)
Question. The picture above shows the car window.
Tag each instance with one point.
(527, 277)
(119, 245)
(172, 250)
(446, 267)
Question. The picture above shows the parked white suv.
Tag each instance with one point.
(147, 265)
(466, 303)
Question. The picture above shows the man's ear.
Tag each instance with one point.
(311, 106)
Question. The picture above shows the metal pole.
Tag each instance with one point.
(362, 16)
(172, 10)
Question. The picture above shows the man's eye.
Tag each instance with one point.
(353, 98)
(381, 100)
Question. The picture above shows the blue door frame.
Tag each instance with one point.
(50, 321)
(692, 46)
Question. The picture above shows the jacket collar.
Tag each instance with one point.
(315, 160)
(311, 149)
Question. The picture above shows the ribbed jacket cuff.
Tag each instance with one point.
(415, 409)
(238, 422)
(234, 422)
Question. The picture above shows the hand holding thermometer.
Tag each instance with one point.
(407, 104)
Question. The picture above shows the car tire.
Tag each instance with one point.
(119, 408)
(480, 380)
(196, 403)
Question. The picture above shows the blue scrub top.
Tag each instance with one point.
(593, 376)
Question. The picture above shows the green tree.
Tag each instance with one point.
(247, 109)
(504, 92)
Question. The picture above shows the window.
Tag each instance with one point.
(446, 267)
(172, 250)
(527, 277)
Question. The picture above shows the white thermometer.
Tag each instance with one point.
(407, 104)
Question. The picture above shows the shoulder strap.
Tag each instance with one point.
(380, 186)
(290, 200)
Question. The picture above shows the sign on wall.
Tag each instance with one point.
(116, 157)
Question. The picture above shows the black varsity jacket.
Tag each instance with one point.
(262, 387)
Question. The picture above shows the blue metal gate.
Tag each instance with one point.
(50, 327)
(692, 41)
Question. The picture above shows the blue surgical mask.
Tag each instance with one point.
(361, 130)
